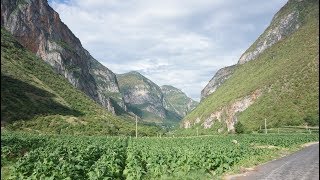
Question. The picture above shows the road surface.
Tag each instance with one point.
(302, 165)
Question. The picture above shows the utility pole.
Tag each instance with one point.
(265, 125)
(197, 132)
(136, 127)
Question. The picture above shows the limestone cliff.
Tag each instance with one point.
(38, 28)
(285, 22)
(228, 113)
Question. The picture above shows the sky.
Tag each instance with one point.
(172, 42)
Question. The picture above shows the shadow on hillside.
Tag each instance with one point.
(23, 101)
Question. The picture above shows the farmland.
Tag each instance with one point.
(101, 157)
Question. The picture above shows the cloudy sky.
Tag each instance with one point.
(175, 42)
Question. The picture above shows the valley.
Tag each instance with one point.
(67, 115)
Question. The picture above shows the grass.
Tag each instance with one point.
(274, 153)
(36, 99)
(288, 75)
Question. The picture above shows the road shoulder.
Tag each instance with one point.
(246, 171)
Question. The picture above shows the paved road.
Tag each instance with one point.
(302, 165)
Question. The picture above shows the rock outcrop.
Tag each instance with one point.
(231, 111)
(219, 78)
(227, 114)
(38, 28)
(285, 22)
(177, 101)
(282, 25)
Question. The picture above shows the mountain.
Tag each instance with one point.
(151, 102)
(177, 101)
(142, 96)
(38, 28)
(35, 98)
(275, 80)
(284, 23)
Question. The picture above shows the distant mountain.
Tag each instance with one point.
(38, 28)
(150, 102)
(36, 99)
(177, 101)
(142, 96)
(276, 79)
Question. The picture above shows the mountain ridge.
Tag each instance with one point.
(285, 22)
(177, 101)
(280, 85)
(142, 96)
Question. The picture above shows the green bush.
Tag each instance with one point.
(312, 120)
(239, 128)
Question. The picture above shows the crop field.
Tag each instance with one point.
(67, 157)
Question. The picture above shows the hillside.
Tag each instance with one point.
(276, 79)
(34, 98)
(39, 29)
(177, 101)
(145, 98)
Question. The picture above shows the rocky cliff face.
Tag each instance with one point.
(177, 101)
(228, 113)
(219, 78)
(285, 22)
(38, 27)
(142, 96)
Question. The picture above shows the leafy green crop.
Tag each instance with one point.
(87, 157)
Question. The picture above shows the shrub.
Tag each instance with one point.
(312, 120)
(239, 128)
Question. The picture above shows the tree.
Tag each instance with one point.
(312, 120)
(239, 127)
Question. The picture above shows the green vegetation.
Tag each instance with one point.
(133, 78)
(65, 45)
(239, 128)
(151, 96)
(34, 98)
(177, 101)
(312, 120)
(292, 6)
(288, 76)
(86, 157)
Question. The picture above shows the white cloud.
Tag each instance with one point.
(175, 42)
